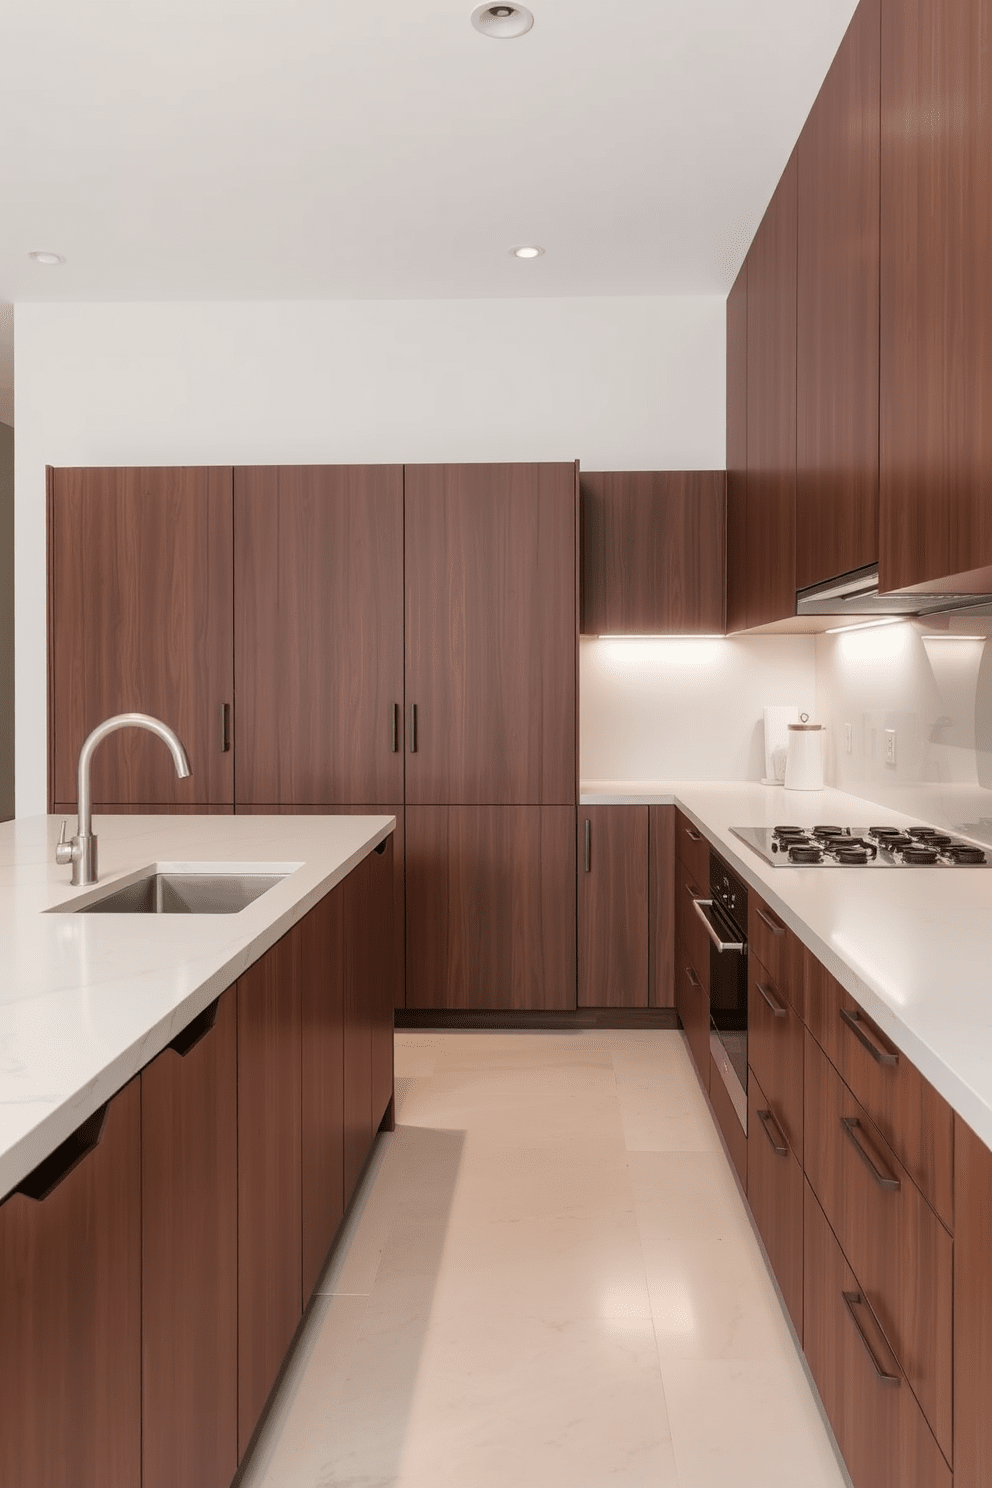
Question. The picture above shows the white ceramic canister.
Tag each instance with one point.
(804, 765)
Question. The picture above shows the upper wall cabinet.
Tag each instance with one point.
(936, 313)
(141, 620)
(490, 634)
(769, 555)
(837, 313)
(318, 605)
(737, 453)
(653, 552)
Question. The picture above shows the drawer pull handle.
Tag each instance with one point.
(856, 1299)
(694, 981)
(692, 835)
(767, 1122)
(776, 929)
(882, 1177)
(195, 1031)
(777, 1009)
(863, 1034)
(701, 906)
(56, 1167)
(587, 859)
(691, 890)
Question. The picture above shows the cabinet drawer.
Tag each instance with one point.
(693, 1003)
(879, 1426)
(692, 849)
(775, 1050)
(775, 1194)
(893, 1241)
(916, 1122)
(778, 950)
(689, 928)
(728, 1120)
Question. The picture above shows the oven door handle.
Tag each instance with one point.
(701, 906)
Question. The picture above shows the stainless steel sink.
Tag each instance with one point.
(185, 893)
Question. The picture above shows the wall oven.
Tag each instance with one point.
(724, 915)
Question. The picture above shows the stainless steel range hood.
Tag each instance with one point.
(857, 594)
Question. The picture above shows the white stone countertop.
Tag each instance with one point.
(913, 946)
(87, 1000)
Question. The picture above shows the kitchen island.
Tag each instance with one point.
(186, 1105)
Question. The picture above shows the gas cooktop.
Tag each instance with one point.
(861, 847)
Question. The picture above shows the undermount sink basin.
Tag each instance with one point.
(184, 893)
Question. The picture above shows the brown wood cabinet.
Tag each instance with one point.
(770, 524)
(613, 906)
(490, 635)
(837, 312)
(653, 552)
(189, 1230)
(490, 906)
(368, 1011)
(775, 1191)
(70, 1311)
(270, 1285)
(141, 620)
(972, 1309)
(323, 935)
(936, 323)
(737, 571)
(661, 906)
(318, 606)
(692, 961)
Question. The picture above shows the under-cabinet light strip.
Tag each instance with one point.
(865, 625)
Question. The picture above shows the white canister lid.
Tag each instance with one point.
(805, 727)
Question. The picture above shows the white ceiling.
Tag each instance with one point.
(316, 149)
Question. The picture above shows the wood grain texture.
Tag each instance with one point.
(779, 950)
(613, 906)
(692, 850)
(359, 1014)
(398, 859)
(775, 1051)
(893, 1241)
(140, 808)
(318, 564)
(737, 571)
(936, 325)
(270, 1300)
(775, 1195)
(142, 572)
(770, 558)
(837, 312)
(490, 633)
(880, 1429)
(692, 998)
(972, 1310)
(381, 934)
(690, 933)
(661, 906)
(653, 552)
(491, 913)
(322, 937)
(727, 1118)
(70, 1320)
(913, 1118)
(189, 1229)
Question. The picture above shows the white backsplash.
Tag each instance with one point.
(686, 708)
(936, 694)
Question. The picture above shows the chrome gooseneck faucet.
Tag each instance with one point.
(80, 851)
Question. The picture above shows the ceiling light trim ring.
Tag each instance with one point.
(527, 251)
(502, 22)
(46, 257)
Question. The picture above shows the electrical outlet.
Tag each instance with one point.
(890, 746)
(848, 739)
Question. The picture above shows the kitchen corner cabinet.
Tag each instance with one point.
(626, 868)
(140, 598)
(189, 1229)
(318, 633)
(838, 312)
(70, 1311)
(653, 552)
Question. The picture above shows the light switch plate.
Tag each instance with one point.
(890, 746)
(848, 739)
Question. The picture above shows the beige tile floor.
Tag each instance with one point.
(548, 1278)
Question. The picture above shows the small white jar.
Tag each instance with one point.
(804, 764)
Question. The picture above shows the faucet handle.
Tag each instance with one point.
(63, 850)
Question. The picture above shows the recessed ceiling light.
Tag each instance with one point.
(528, 250)
(502, 22)
(41, 256)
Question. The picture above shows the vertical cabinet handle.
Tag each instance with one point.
(587, 859)
(857, 1299)
(413, 728)
(191, 1035)
(394, 727)
(225, 727)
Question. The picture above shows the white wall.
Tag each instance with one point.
(617, 383)
(937, 696)
(6, 621)
(686, 709)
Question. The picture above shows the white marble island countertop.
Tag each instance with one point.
(912, 946)
(87, 1000)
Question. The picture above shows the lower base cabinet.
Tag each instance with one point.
(879, 1427)
(70, 1311)
(189, 1238)
(972, 1309)
(775, 1195)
